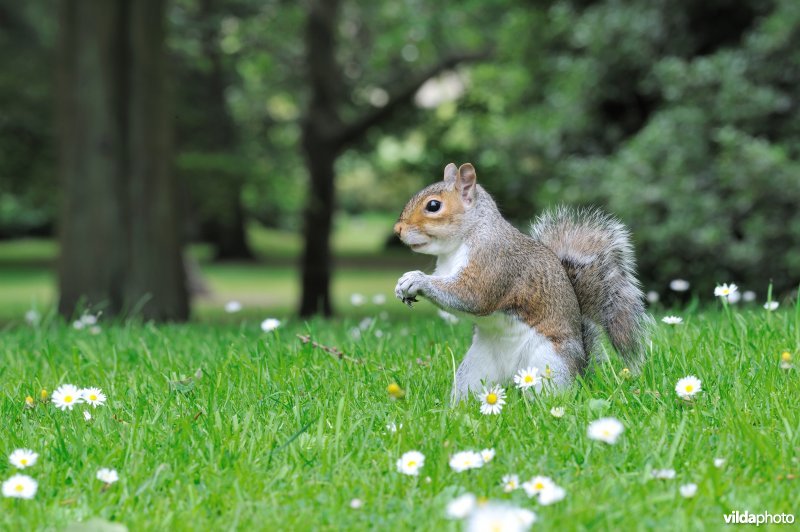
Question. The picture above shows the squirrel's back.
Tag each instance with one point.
(596, 251)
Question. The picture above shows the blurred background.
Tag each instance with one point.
(164, 157)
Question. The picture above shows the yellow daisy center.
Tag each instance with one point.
(24, 461)
(689, 387)
(491, 398)
(93, 397)
(786, 356)
(19, 487)
(67, 398)
(606, 433)
(538, 485)
(725, 291)
(411, 463)
(528, 378)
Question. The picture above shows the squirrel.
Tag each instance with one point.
(538, 300)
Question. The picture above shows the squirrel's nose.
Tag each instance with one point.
(398, 228)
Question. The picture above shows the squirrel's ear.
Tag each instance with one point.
(465, 183)
(450, 173)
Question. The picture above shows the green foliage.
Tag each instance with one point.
(276, 431)
(679, 117)
(683, 127)
(27, 155)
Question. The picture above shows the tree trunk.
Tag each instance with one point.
(119, 237)
(318, 221)
(226, 228)
(229, 236)
(320, 147)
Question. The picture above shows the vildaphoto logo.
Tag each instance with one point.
(746, 518)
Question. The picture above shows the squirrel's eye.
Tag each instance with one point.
(433, 205)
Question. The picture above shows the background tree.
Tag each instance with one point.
(27, 151)
(325, 134)
(119, 235)
(213, 167)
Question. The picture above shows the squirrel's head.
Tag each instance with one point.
(432, 221)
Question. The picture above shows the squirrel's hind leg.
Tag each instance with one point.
(477, 368)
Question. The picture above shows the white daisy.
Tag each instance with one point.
(32, 317)
(86, 415)
(355, 504)
(688, 490)
(557, 411)
(525, 378)
(93, 396)
(89, 319)
(109, 476)
(749, 296)
(607, 429)
(679, 285)
(378, 299)
(719, 462)
(446, 316)
(510, 483)
(725, 290)
(66, 396)
(393, 427)
(688, 387)
(551, 495)
(500, 518)
(357, 300)
(652, 296)
(663, 474)
(487, 455)
(78, 325)
(672, 320)
(492, 400)
(95, 330)
(410, 463)
(465, 460)
(22, 458)
(536, 485)
(525, 516)
(232, 307)
(270, 324)
(461, 506)
(771, 305)
(20, 487)
(734, 297)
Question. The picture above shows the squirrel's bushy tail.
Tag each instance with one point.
(596, 251)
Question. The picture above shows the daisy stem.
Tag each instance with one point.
(729, 315)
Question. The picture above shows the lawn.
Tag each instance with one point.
(278, 434)
(363, 265)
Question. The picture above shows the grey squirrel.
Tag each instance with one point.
(537, 300)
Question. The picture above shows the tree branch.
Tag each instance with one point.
(355, 131)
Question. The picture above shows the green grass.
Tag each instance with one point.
(279, 435)
(27, 276)
(260, 288)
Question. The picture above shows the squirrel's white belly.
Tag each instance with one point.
(501, 346)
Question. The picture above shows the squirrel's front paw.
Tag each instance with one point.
(409, 285)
